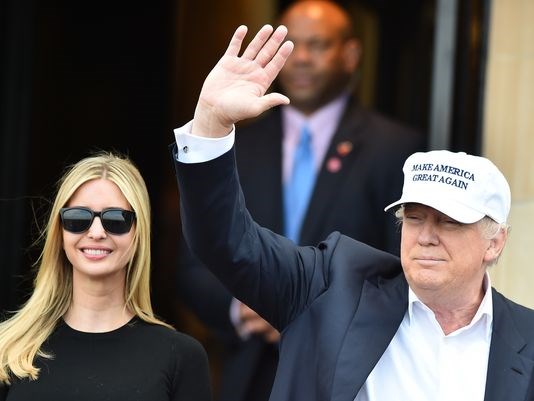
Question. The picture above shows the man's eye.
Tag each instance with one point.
(448, 222)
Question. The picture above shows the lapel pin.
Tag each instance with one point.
(344, 148)
(333, 165)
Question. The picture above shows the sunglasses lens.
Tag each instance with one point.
(117, 221)
(76, 220)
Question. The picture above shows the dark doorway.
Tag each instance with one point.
(78, 77)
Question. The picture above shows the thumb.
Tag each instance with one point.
(272, 99)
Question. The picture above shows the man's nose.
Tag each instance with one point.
(300, 53)
(428, 234)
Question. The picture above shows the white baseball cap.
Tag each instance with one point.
(464, 187)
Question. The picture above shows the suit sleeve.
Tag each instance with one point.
(264, 270)
(205, 295)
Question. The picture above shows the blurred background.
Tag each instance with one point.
(82, 76)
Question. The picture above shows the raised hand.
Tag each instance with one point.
(235, 88)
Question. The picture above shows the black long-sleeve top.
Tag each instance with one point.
(137, 362)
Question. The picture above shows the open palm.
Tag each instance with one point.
(235, 89)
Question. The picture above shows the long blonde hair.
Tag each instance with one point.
(22, 335)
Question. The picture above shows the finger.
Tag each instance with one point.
(270, 48)
(273, 67)
(236, 41)
(257, 326)
(270, 100)
(246, 313)
(272, 336)
(266, 102)
(257, 43)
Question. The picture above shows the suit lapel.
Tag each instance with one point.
(342, 152)
(377, 318)
(509, 372)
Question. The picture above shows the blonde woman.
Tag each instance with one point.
(88, 332)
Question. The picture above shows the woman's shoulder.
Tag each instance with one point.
(178, 354)
(163, 334)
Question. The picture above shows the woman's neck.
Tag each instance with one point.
(97, 306)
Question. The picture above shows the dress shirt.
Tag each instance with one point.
(322, 125)
(422, 363)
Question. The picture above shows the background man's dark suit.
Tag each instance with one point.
(371, 150)
(339, 305)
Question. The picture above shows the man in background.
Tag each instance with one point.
(354, 168)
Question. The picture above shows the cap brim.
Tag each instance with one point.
(455, 210)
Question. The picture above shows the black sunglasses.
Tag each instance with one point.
(114, 220)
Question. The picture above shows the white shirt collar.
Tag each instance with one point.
(484, 311)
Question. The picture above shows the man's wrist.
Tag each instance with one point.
(206, 124)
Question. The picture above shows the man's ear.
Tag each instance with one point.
(352, 51)
(496, 245)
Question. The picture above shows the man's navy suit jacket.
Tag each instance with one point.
(338, 305)
(370, 151)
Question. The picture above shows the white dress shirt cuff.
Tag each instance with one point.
(198, 149)
(235, 318)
